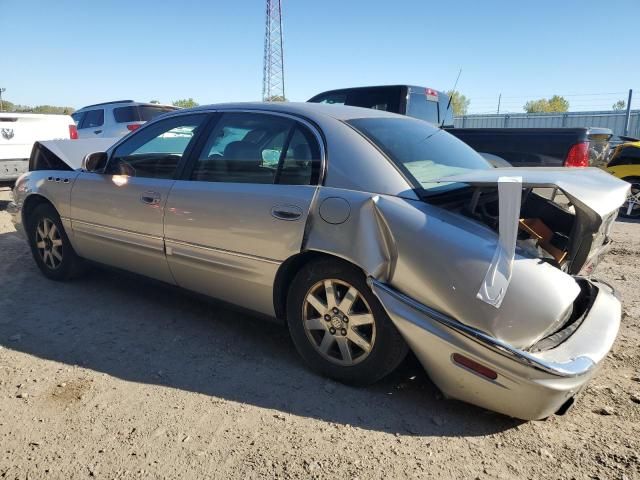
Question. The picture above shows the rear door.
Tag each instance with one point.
(117, 215)
(242, 206)
(91, 124)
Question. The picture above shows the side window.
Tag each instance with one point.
(155, 151)
(77, 117)
(258, 148)
(301, 163)
(92, 119)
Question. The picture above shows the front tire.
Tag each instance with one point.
(50, 245)
(338, 325)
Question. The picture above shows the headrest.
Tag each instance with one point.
(242, 154)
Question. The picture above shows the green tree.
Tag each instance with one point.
(17, 108)
(459, 103)
(544, 105)
(185, 103)
(619, 105)
(7, 106)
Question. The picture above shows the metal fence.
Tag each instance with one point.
(607, 119)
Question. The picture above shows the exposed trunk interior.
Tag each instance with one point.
(547, 220)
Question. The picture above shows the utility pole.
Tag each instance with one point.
(2, 90)
(627, 117)
(273, 62)
(499, 98)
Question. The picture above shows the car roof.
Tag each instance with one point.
(125, 103)
(309, 110)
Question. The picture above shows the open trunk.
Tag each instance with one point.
(565, 214)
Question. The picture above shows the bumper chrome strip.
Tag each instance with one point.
(576, 367)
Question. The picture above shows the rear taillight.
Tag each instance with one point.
(431, 94)
(73, 132)
(578, 155)
(133, 126)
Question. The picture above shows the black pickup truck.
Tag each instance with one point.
(520, 147)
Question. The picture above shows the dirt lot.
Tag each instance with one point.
(116, 377)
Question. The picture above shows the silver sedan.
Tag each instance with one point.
(366, 233)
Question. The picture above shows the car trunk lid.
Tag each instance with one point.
(594, 195)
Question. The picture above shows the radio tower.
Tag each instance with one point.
(273, 69)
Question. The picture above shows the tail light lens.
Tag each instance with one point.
(578, 155)
(73, 132)
(133, 126)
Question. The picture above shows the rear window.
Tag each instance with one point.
(423, 152)
(420, 107)
(139, 113)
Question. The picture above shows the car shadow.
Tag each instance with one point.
(147, 332)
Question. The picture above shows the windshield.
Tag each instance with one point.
(424, 152)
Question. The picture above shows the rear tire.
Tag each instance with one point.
(633, 197)
(338, 325)
(50, 245)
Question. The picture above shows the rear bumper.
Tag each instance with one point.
(11, 169)
(528, 385)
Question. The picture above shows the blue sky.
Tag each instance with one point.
(74, 53)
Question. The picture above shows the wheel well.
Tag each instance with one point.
(30, 203)
(285, 275)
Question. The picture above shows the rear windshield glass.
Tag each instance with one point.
(139, 113)
(423, 152)
(420, 107)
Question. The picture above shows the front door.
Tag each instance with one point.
(116, 216)
(241, 208)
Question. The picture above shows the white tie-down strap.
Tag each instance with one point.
(498, 276)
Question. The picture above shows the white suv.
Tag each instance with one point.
(116, 119)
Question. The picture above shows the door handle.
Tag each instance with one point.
(286, 212)
(97, 132)
(150, 198)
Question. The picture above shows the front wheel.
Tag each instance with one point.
(339, 327)
(631, 208)
(50, 246)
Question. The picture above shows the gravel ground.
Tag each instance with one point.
(113, 376)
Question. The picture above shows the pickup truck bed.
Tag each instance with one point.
(536, 147)
(520, 147)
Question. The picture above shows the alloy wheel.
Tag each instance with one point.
(632, 206)
(339, 322)
(49, 243)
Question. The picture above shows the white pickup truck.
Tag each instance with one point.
(18, 133)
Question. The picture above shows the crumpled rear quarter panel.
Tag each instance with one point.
(440, 259)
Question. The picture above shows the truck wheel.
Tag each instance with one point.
(50, 245)
(338, 325)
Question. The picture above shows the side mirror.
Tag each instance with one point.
(94, 162)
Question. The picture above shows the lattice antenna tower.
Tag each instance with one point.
(273, 63)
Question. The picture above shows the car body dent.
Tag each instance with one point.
(390, 238)
(527, 386)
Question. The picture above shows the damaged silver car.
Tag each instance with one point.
(367, 233)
